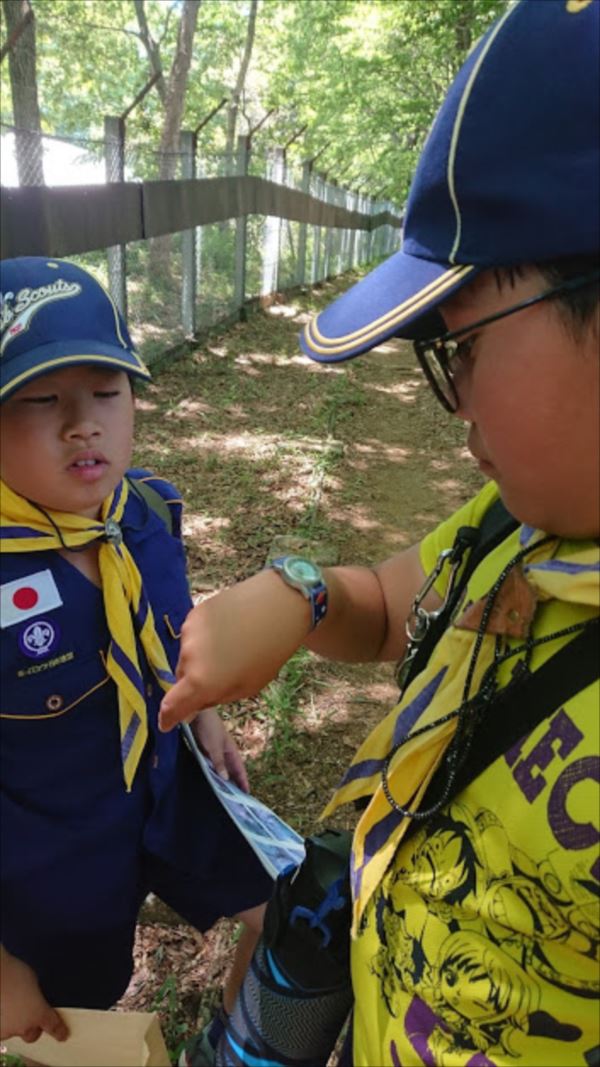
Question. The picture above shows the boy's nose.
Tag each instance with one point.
(85, 431)
(80, 423)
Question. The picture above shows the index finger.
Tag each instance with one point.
(178, 705)
(54, 1024)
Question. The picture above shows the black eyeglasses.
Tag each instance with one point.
(438, 354)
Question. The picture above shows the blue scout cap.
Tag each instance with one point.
(53, 315)
(509, 174)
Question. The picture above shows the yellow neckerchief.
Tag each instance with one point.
(26, 528)
(435, 692)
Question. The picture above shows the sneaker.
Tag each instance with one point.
(201, 1050)
(198, 1052)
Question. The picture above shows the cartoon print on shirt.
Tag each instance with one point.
(469, 924)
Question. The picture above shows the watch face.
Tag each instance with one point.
(302, 570)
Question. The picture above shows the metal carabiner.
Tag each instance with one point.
(418, 621)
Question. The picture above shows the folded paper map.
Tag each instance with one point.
(275, 843)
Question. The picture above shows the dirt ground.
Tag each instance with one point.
(349, 463)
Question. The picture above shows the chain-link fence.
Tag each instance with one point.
(173, 287)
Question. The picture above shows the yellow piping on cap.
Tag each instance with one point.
(457, 128)
(394, 317)
(61, 361)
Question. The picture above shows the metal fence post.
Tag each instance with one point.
(241, 227)
(284, 237)
(187, 147)
(379, 234)
(114, 162)
(272, 231)
(331, 197)
(341, 234)
(371, 234)
(352, 206)
(318, 192)
(389, 230)
(362, 234)
(345, 233)
(302, 231)
(199, 230)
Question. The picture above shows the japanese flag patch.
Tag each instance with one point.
(28, 596)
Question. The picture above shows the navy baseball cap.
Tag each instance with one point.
(510, 174)
(54, 314)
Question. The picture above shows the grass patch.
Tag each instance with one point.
(281, 708)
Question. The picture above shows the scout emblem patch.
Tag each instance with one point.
(39, 638)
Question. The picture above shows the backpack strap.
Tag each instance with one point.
(153, 499)
(497, 523)
(495, 526)
(523, 704)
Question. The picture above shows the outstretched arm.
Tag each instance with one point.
(234, 643)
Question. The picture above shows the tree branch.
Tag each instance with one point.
(152, 49)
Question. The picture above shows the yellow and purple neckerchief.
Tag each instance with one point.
(435, 692)
(26, 528)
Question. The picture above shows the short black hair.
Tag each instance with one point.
(577, 307)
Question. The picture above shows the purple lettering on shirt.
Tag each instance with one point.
(568, 833)
(512, 754)
(561, 730)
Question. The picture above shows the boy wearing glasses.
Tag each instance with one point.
(475, 885)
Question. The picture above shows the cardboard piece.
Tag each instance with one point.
(109, 1038)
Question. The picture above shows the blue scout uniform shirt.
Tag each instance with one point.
(62, 780)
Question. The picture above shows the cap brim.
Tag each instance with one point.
(388, 302)
(56, 356)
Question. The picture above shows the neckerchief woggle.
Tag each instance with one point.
(435, 692)
(26, 528)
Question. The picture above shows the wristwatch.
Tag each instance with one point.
(307, 578)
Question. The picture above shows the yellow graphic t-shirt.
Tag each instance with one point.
(479, 943)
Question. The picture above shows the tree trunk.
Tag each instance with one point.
(174, 106)
(232, 113)
(23, 84)
(176, 88)
(463, 34)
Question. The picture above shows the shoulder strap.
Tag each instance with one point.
(516, 710)
(496, 524)
(154, 500)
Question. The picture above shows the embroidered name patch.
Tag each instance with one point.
(22, 599)
(46, 665)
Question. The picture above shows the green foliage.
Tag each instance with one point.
(365, 76)
(280, 704)
(175, 1030)
(8, 1060)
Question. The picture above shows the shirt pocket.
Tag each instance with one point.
(60, 738)
(173, 622)
(51, 690)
